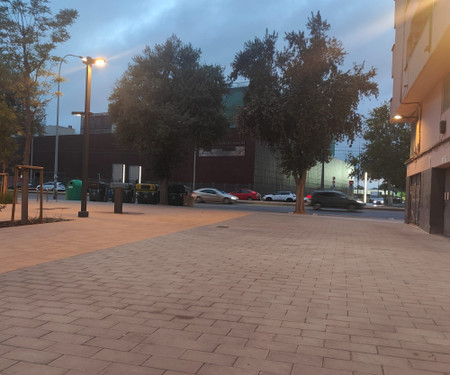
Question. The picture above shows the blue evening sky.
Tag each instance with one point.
(118, 30)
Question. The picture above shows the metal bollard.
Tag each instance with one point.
(118, 200)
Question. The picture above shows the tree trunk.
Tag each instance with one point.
(322, 177)
(389, 198)
(27, 150)
(300, 193)
(25, 171)
(28, 114)
(164, 191)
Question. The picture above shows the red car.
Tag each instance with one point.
(246, 194)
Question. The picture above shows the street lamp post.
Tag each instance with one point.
(87, 111)
(55, 174)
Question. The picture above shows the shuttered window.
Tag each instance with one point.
(446, 103)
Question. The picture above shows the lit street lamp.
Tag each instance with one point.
(89, 61)
(58, 94)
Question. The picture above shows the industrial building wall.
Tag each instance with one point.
(227, 166)
(267, 174)
(104, 151)
(336, 168)
(269, 178)
(230, 165)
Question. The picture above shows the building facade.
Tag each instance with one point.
(421, 97)
(230, 165)
(62, 130)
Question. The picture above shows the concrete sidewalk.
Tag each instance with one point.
(176, 290)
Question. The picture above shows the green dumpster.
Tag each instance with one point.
(73, 190)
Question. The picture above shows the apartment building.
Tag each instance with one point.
(421, 97)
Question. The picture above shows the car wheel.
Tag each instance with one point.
(199, 200)
(249, 198)
(289, 200)
(317, 206)
(226, 200)
(351, 207)
(268, 199)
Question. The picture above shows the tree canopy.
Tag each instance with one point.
(8, 128)
(8, 120)
(299, 99)
(385, 150)
(28, 34)
(168, 101)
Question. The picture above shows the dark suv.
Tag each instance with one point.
(334, 199)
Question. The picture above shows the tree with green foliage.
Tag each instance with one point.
(28, 34)
(385, 150)
(168, 101)
(8, 128)
(299, 100)
(8, 121)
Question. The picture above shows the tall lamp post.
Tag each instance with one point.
(89, 61)
(55, 174)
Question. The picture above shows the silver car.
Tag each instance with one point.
(212, 195)
(49, 186)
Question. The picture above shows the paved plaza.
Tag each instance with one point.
(178, 290)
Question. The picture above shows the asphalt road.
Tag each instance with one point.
(379, 213)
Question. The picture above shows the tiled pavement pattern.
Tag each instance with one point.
(257, 294)
(21, 247)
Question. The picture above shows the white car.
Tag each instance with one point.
(49, 186)
(286, 196)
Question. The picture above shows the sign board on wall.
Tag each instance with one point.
(224, 150)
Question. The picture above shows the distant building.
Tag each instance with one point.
(62, 130)
(231, 164)
(421, 96)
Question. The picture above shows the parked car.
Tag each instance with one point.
(334, 199)
(376, 199)
(212, 195)
(307, 200)
(49, 186)
(246, 194)
(19, 186)
(286, 196)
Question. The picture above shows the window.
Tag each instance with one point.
(446, 102)
(418, 23)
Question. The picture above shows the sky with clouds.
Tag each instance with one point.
(118, 30)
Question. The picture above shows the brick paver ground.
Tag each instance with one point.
(175, 290)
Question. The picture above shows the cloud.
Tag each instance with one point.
(371, 31)
(119, 30)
